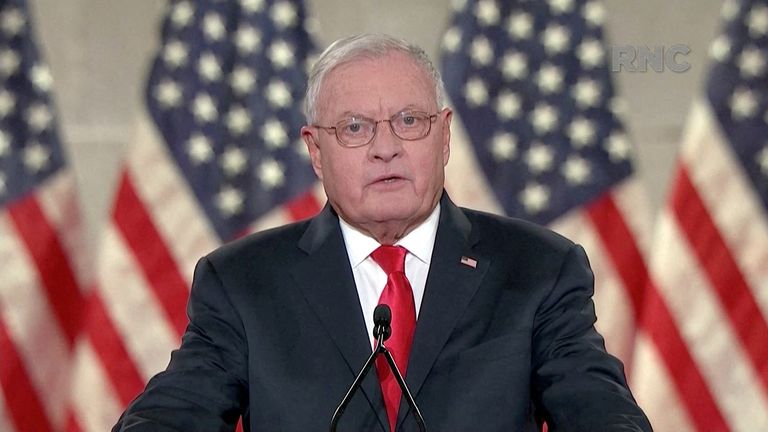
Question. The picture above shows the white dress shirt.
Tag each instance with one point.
(370, 279)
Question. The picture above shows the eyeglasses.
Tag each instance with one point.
(358, 131)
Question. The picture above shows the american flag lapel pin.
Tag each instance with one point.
(467, 261)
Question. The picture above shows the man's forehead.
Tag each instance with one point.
(393, 78)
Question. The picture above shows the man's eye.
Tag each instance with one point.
(353, 127)
(409, 120)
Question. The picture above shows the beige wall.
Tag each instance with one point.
(99, 51)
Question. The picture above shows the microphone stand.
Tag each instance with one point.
(381, 332)
(404, 388)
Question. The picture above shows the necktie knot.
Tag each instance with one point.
(390, 258)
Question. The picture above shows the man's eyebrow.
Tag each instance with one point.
(348, 114)
(356, 114)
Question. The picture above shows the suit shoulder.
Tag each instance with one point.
(269, 244)
(514, 231)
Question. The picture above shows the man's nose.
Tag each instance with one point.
(385, 144)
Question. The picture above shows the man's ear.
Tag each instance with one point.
(313, 147)
(447, 136)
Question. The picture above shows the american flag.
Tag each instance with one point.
(41, 250)
(542, 139)
(218, 157)
(710, 254)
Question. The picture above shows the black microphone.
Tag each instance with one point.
(382, 330)
(382, 319)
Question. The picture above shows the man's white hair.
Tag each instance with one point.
(365, 46)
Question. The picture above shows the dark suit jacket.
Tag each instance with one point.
(276, 334)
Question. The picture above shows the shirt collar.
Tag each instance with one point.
(418, 242)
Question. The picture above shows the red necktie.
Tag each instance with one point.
(399, 296)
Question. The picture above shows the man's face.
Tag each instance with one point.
(390, 183)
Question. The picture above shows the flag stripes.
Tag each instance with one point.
(40, 305)
(724, 275)
(21, 397)
(149, 249)
(661, 326)
(51, 261)
(107, 346)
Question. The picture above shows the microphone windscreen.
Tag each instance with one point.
(382, 315)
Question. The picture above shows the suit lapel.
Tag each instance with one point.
(325, 278)
(451, 285)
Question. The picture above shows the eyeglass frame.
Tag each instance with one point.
(335, 129)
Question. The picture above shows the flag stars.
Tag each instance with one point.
(751, 62)
(274, 134)
(204, 108)
(618, 147)
(576, 171)
(743, 104)
(5, 143)
(720, 48)
(281, 54)
(199, 149)
(514, 65)
(587, 93)
(618, 106)
(590, 53)
(208, 67)
(555, 39)
(503, 147)
(271, 174)
(549, 79)
(520, 26)
(544, 118)
(594, 13)
(279, 94)
(508, 105)
(175, 54)
(539, 158)
(238, 121)
(476, 92)
(7, 103)
(252, 6)
(452, 40)
(284, 14)
(213, 27)
(487, 12)
(243, 80)
(36, 157)
(458, 5)
(12, 22)
(41, 78)
(9, 62)
(535, 198)
(233, 161)
(762, 160)
(168, 94)
(182, 14)
(229, 201)
(581, 131)
(39, 117)
(757, 21)
(561, 6)
(481, 51)
(247, 39)
(730, 9)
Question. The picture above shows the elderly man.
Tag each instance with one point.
(492, 318)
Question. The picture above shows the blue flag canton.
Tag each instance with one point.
(225, 91)
(30, 150)
(530, 83)
(738, 87)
